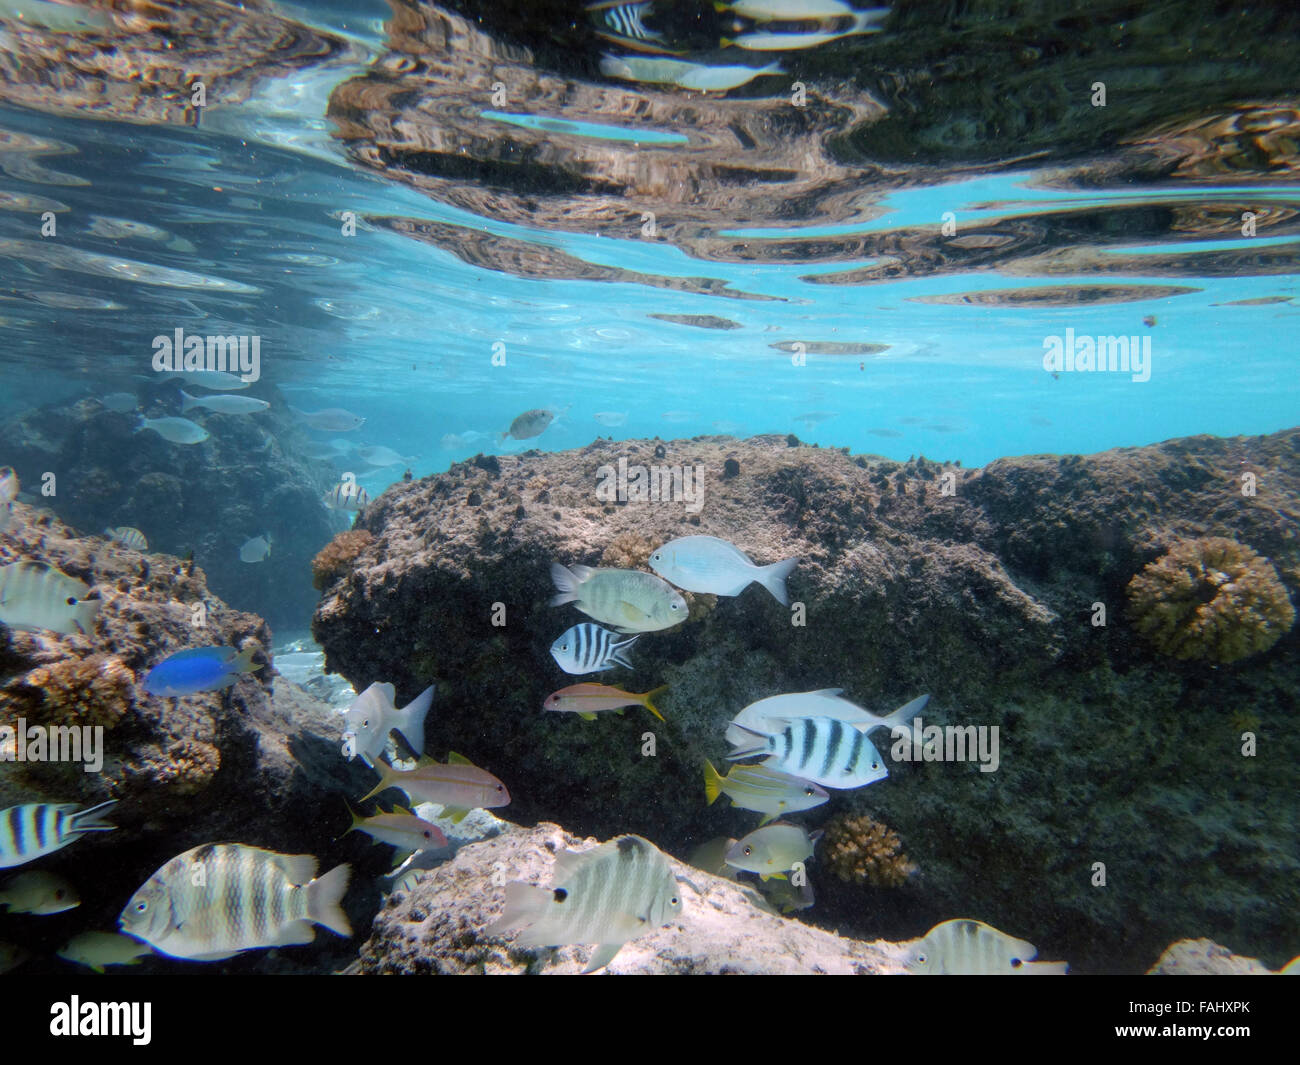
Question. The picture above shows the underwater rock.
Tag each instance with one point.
(251, 763)
(209, 498)
(910, 575)
(438, 926)
(1204, 957)
(1213, 599)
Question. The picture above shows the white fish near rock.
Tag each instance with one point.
(379, 456)
(127, 536)
(35, 595)
(628, 599)
(821, 749)
(330, 420)
(96, 950)
(220, 899)
(824, 703)
(256, 549)
(374, 714)
(611, 418)
(972, 948)
(223, 404)
(608, 896)
(709, 564)
(773, 850)
(770, 41)
(175, 430)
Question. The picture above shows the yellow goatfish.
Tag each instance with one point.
(586, 700)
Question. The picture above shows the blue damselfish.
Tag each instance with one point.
(199, 669)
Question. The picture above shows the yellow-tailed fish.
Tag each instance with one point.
(972, 948)
(96, 950)
(458, 786)
(766, 791)
(399, 828)
(220, 899)
(587, 700)
(627, 599)
(773, 850)
(614, 893)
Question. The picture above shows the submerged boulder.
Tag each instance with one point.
(1119, 812)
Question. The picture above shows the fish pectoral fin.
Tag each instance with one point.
(297, 932)
(766, 819)
(216, 956)
(631, 613)
(455, 816)
(619, 711)
(602, 956)
(458, 759)
(586, 716)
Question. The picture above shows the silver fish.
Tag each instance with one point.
(678, 72)
(35, 595)
(223, 404)
(628, 599)
(36, 829)
(709, 564)
(217, 380)
(823, 750)
(256, 549)
(174, 430)
(529, 424)
(331, 419)
(612, 418)
(220, 899)
(773, 850)
(121, 402)
(379, 456)
(608, 896)
(347, 495)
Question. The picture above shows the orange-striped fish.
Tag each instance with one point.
(586, 700)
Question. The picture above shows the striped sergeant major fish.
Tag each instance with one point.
(624, 24)
(588, 648)
(220, 899)
(825, 750)
(37, 829)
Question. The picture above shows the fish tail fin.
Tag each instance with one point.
(356, 819)
(387, 775)
(188, 402)
(140, 420)
(720, 7)
(89, 820)
(752, 749)
(243, 662)
(523, 902)
(566, 583)
(410, 720)
(902, 717)
(773, 579)
(712, 783)
(324, 894)
(647, 700)
(619, 654)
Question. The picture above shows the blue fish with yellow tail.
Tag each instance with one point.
(199, 669)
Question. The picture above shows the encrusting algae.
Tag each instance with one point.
(95, 690)
(1211, 599)
(337, 556)
(862, 850)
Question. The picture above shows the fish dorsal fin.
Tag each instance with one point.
(458, 759)
(388, 692)
(827, 691)
(425, 759)
(586, 716)
(567, 863)
(402, 810)
(454, 814)
(299, 868)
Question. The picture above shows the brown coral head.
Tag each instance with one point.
(1211, 599)
(862, 850)
(338, 556)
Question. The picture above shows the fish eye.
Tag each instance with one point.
(428, 834)
(501, 787)
(560, 894)
(809, 792)
(920, 957)
(875, 765)
(675, 606)
(58, 895)
(366, 723)
(658, 556)
(141, 907)
(1016, 963)
(71, 600)
(564, 647)
(674, 901)
(749, 850)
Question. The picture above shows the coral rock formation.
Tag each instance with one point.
(1211, 599)
(336, 557)
(862, 850)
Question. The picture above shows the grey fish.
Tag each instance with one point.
(174, 430)
(126, 536)
(223, 404)
(35, 595)
(330, 420)
(256, 549)
(529, 424)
